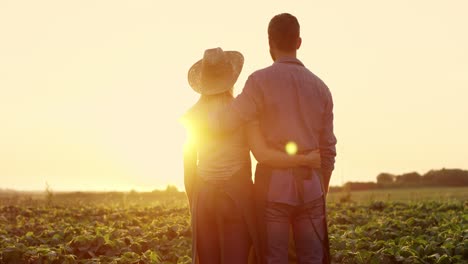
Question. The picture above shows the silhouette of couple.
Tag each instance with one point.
(284, 115)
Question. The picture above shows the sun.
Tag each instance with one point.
(291, 148)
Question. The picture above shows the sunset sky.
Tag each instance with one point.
(91, 91)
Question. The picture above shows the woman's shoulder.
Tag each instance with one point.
(192, 113)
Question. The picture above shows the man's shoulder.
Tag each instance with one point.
(271, 74)
(273, 70)
(262, 72)
(317, 79)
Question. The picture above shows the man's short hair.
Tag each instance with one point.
(283, 31)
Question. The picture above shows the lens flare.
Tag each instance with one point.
(291, 148)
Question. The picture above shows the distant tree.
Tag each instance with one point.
(443, 177)
(171, 189)
(406, 179)
(446, 177)
(360, 186)
(385, 178)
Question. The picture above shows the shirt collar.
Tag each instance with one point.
(289, 60)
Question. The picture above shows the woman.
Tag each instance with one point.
(217, 172)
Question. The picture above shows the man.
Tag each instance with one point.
(294, 110)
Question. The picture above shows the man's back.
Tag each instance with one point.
(294, 102)
(292, 105)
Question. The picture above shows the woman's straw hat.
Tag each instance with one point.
(217, 72)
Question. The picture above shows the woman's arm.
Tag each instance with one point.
(190, 164)
(277, 158)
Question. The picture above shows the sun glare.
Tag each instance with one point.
(190, 133)
(291, 148)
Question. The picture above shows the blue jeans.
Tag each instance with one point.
(222, 232)
(308, 226)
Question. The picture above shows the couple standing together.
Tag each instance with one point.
(284, 115)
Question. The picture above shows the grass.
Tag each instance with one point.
(124, 199)
(418, 225)
(404, 195)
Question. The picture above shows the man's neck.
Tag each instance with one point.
(280, 55)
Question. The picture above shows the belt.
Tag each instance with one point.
(302, 172)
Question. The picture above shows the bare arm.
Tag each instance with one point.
(190, 164)
(276, 158)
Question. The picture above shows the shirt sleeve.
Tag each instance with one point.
(327, 137)
(244, 108)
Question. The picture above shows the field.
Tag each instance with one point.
(405, 195)
(397, 226)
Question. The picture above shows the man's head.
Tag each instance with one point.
(283, 35)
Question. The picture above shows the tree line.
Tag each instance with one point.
(433, 178)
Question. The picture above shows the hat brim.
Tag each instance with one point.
(195, 73)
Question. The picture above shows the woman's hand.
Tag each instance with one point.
(312, 159)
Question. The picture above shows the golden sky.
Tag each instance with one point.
(91, 91)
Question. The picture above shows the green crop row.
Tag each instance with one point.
(378, 232)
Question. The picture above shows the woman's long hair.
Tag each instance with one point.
(202, 109)
(208, 104)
